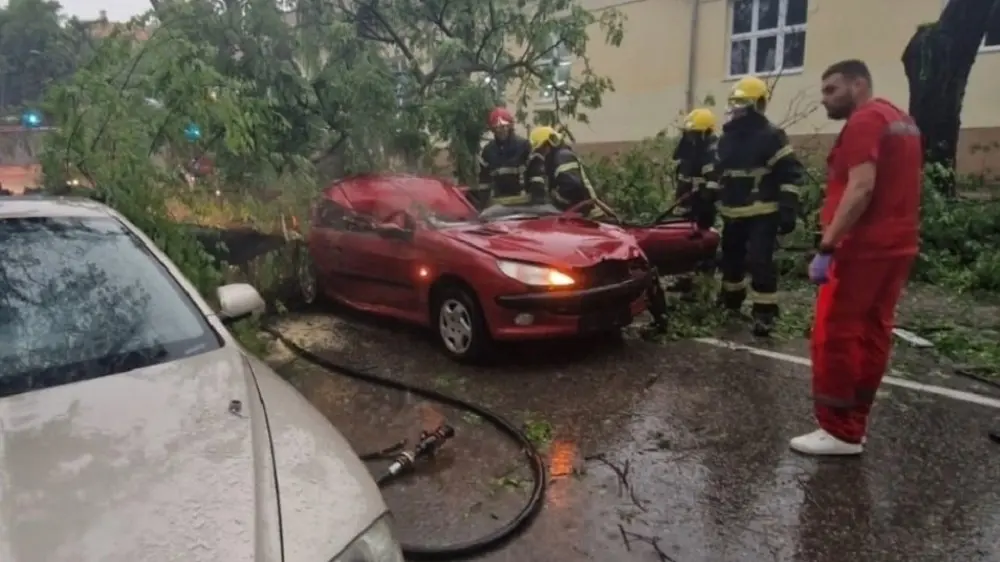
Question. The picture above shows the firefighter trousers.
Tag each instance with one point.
(748, 246)
(851, 340)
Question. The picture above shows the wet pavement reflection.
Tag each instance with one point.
(671, 452)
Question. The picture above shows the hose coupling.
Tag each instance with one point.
(431, 441)
(402, 463)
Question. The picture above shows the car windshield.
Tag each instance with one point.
(82, 298)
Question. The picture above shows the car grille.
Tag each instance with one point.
(611, 272)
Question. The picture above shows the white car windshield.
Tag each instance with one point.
(82, 298)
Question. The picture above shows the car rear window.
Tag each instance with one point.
(82, 298)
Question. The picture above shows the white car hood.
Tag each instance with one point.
(148, 465)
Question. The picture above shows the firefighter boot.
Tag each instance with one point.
(731, 302)
(764, 319)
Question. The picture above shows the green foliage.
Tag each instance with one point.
(130, 149)
(358, 85)
(960, 241)
(639, 182)
(35, 49)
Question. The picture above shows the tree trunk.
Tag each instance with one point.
(937, 61)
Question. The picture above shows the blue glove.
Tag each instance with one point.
(819, 268)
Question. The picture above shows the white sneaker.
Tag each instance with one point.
(820, 442)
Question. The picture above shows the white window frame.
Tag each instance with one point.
(983, 47)
(780, 32)
(555, 62)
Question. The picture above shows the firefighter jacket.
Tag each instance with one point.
(696, 178)
(536, 180)
(758, 172)
(567, 181)
(502, 169)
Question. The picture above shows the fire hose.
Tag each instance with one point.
(404, 461)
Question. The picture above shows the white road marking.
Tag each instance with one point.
(963, 396)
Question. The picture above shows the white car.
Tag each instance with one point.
(134, 428)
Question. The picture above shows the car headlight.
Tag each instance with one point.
(535, 275)
(374, 545)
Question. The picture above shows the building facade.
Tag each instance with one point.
(679, 53)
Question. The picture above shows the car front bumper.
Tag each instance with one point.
(553, 314)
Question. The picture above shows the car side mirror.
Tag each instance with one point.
(238, 301)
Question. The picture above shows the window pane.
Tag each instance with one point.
(82, 298)
(546, 90)
(562, 74)
(766, 51)
(767, 14)
(796, 14)
(739, 57)
(795, 50)
(742, 16)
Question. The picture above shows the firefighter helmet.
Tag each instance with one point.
(541, 135)
(700, 120)
(500, 117)
(749, 91)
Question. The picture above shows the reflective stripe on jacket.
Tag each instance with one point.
(569, 184)
(759, 173)
(695, 160)
(502, 168)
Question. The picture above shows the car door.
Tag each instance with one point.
(394, 262)
(325, 247)
(378, 273)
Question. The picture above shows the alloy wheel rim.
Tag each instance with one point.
(455, 326)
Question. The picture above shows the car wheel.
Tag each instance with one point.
(307, 279)
(460, 326)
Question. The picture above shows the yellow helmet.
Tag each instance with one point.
(700, 120)
(542, 135)
(748, 92)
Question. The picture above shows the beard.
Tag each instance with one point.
(839, 112)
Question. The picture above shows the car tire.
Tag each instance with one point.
(459, 325)
(306, 279)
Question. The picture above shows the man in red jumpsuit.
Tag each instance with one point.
(871, 221)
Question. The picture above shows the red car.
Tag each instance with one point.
(413, 248)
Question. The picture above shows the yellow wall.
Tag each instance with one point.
(650, 68)
(649, 71)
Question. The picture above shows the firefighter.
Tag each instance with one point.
(695, 177)
(502, 164)
(759, 179)
(553, 162)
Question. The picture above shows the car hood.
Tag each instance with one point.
(145, 465)
(569, 242)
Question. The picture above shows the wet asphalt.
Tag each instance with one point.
(659, 452)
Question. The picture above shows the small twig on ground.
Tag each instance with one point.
(628, 545)
(622, 473)
(654, 542)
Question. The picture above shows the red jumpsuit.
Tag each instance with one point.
(852, 330)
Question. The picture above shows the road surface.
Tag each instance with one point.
(675, 452)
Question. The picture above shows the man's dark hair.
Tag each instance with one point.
(851, 68)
